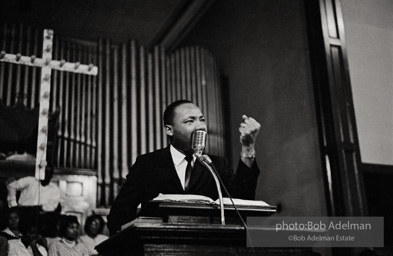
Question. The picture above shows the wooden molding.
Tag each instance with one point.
(377, 168)
(183, 20)
(340, 152)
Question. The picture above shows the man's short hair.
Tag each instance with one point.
(169, 113)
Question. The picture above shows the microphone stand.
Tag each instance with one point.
(206, 161)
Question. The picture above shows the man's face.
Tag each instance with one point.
(48, 176)
(187, 119)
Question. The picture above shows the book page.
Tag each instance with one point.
(191, 198)
(188, 198)
(237, 201)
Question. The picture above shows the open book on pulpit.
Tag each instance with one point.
(169, 205)
(189, 208)
(199, 199)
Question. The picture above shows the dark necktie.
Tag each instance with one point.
(188, 172)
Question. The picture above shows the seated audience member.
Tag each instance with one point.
(12, 229)
(93, 227)
(68, 244)
(34, 192)
(30, 243)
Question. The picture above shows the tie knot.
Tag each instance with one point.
(188, 158)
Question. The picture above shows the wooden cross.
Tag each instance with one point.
(47, 64)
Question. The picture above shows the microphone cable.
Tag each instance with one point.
(198, 141)
(234, 206)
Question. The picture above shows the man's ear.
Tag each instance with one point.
(169, 130)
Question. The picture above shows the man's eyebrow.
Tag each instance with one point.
(190, 117)
(194, 117)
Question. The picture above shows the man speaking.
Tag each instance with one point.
(174, 170)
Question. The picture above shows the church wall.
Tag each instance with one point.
(262, 48)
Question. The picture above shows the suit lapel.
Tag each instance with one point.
(172, 179)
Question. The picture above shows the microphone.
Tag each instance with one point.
(198, 142)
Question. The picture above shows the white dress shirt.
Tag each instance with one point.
(180, 163)
(33, 194)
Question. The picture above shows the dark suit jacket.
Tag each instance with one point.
(155, 173)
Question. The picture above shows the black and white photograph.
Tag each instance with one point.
(196, 127)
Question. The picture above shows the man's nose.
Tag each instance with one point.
(200, 126)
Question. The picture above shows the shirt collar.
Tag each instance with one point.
(68, 243)
(177, 156)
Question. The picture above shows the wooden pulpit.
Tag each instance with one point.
(189, 229)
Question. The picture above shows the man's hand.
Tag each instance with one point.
(249, 129)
